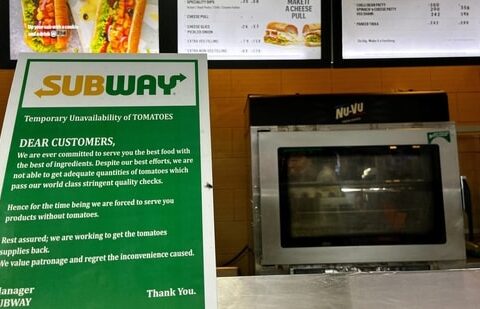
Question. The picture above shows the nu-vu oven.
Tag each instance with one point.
(361, 180)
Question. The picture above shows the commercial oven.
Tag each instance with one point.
(358, 179)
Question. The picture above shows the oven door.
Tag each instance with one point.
(353, 194)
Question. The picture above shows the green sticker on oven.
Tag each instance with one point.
(441, 134)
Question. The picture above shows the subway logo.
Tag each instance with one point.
(112, 85)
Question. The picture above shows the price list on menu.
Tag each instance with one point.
(410, 28)
(250, 29)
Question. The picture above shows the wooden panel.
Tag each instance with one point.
(468, 107)
(356, 80)
(468, 142)
(467, 163)
(228, 112)
(222, 142)
(224, 204)
(245, 82)
(469, 158)
(6, 77)
(241, 140)
(306, 81)
(406, 79)
(231, 237)
(230, 173)
(455, 79)
(453, 106)
(220, 83)
(242, 204)
(232, 204)
(230, 142)
(244, 263)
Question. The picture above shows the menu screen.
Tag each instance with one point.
(83, 26)
(410, 28)
(250, 29)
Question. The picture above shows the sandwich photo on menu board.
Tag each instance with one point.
(83, 26)
(287, 34)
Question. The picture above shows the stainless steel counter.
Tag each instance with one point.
(423, 290)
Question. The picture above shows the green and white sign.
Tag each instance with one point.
(106, 184)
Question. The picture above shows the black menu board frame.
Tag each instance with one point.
(339, 61)
(332, 44)
(5, 62)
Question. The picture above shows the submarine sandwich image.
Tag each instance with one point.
(46, 24)
(311, 35)
(281, 33)
(118, 26)
(88, 9)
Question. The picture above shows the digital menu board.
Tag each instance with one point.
(390, 29)
(251, 29)
(84, 26)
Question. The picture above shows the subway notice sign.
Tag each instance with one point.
(105, 175)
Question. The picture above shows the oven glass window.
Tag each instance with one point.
(365, 195)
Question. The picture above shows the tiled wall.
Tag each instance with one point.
(231, 166)
(228, 91)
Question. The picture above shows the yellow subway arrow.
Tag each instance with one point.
(40, 92)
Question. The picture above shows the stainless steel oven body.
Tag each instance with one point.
(319, 221)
